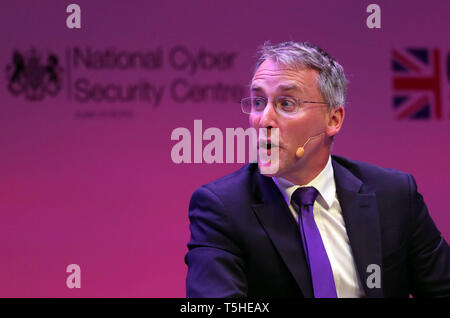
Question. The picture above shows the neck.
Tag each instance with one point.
(307, 170)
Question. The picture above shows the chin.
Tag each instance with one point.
(271, 169)
(274, 167)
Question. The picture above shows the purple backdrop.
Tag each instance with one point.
(88, 179)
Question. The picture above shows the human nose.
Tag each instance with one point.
(269, 116)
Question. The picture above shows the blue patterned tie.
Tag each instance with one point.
(318, 262)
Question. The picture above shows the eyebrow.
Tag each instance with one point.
(256, 89)
(281, 87)
(289, 87)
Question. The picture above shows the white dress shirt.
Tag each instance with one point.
(330, 222)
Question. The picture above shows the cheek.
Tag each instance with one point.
(294, 136)
(253, 121)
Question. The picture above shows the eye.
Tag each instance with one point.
(258, 103)
(287, 104)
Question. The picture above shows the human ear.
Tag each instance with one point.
(335, 120)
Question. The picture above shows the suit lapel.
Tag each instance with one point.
(275, 217)
(360, 212)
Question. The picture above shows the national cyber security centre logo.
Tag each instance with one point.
(30, 76)
(117, 77)
(421, 84)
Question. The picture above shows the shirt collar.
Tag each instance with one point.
(323, 182)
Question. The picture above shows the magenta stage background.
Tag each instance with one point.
(92, 182)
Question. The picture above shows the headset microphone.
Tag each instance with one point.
(301, 150)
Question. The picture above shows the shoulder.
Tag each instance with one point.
(236, 180)
(376, 177)
(235, 187)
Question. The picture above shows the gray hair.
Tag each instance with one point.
(298, 55)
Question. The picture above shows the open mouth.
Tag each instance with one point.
(267, 145)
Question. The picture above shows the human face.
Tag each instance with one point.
(272, 80)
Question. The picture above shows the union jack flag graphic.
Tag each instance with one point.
(417, 84)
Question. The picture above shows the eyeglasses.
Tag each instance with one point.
(285, 105)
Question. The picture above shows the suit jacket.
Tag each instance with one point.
(245, 243)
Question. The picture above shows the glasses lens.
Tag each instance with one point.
(258, 104)
(253, 104)
(246, 106)
(286, 104)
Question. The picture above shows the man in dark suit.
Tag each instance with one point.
(318, 225)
